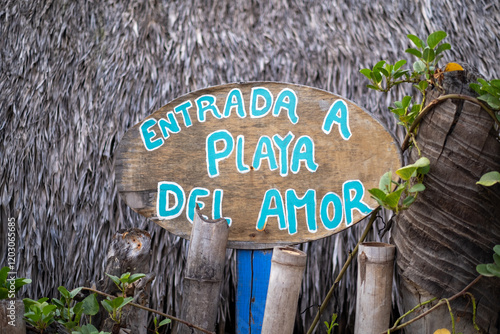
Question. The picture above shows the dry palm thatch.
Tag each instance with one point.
(75, 75)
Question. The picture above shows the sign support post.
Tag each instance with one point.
(253, 270)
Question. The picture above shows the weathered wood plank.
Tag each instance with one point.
(253, 270)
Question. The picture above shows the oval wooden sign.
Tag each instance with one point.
(283, 163)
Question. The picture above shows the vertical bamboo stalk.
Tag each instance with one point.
(287, 269)
(204, 271)
(374, 286)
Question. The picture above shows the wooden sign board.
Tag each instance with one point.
(283, 163)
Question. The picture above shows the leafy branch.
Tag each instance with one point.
(406, 192)
(384, 76)
(151, 310)
(440, 303)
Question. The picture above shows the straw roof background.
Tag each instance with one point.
(75, 75)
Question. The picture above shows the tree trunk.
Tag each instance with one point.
(129, 252)
(454, 223)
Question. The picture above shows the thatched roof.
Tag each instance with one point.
(75, 75)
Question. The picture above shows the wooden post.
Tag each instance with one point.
(11, 317)
(287, 270)
(129, 251)
(204, 271)
(373, 302)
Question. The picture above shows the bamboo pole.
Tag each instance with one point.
(204, 273)
(287, 269)
(373, 302)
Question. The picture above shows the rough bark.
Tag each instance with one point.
(129, 252)
(454, 223)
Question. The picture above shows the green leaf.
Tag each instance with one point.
(406, 101)
(419, 66)
(407, 119)
(415, 109)
(496, 258)
(375, 75)
(32, 316)
(124, 277)
(116, 302)
(135, 277)
(125, 302)
(392, 200)
(58, 303)
(414, 52)
(115, 279)
(74, 292)
(70, 324)
(417, 187)
(406, 172)
(482, 81)
(47, 309)
(417, 41)
(423, 85)
(428, 55)
(4, 293)
(398, 111)
(20, 282)
(400, 73)
(107, 305)
(64, 292)
(476, 88)
(90, 305)
(495, 83)
(377, 193)
(379, 64)
(88, 329)
(491, 89)
(435, 38)
(384, 72)
(373, 87)
(489, 179)
(77, 309)
(366, 72)
(483, 270)
(493, 101)
(398, 64)
(494, 269)
(443, 47)
(421, 162)
(4, 272)
(424, 170)
(164, 322)
(408, 201)
(496, 249)
(28, 302)
(385, 183)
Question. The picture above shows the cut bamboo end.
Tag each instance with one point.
(287, 271)
(374, 287)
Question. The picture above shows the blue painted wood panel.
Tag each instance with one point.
(253, 269)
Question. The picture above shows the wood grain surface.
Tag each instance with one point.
(362, 156)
